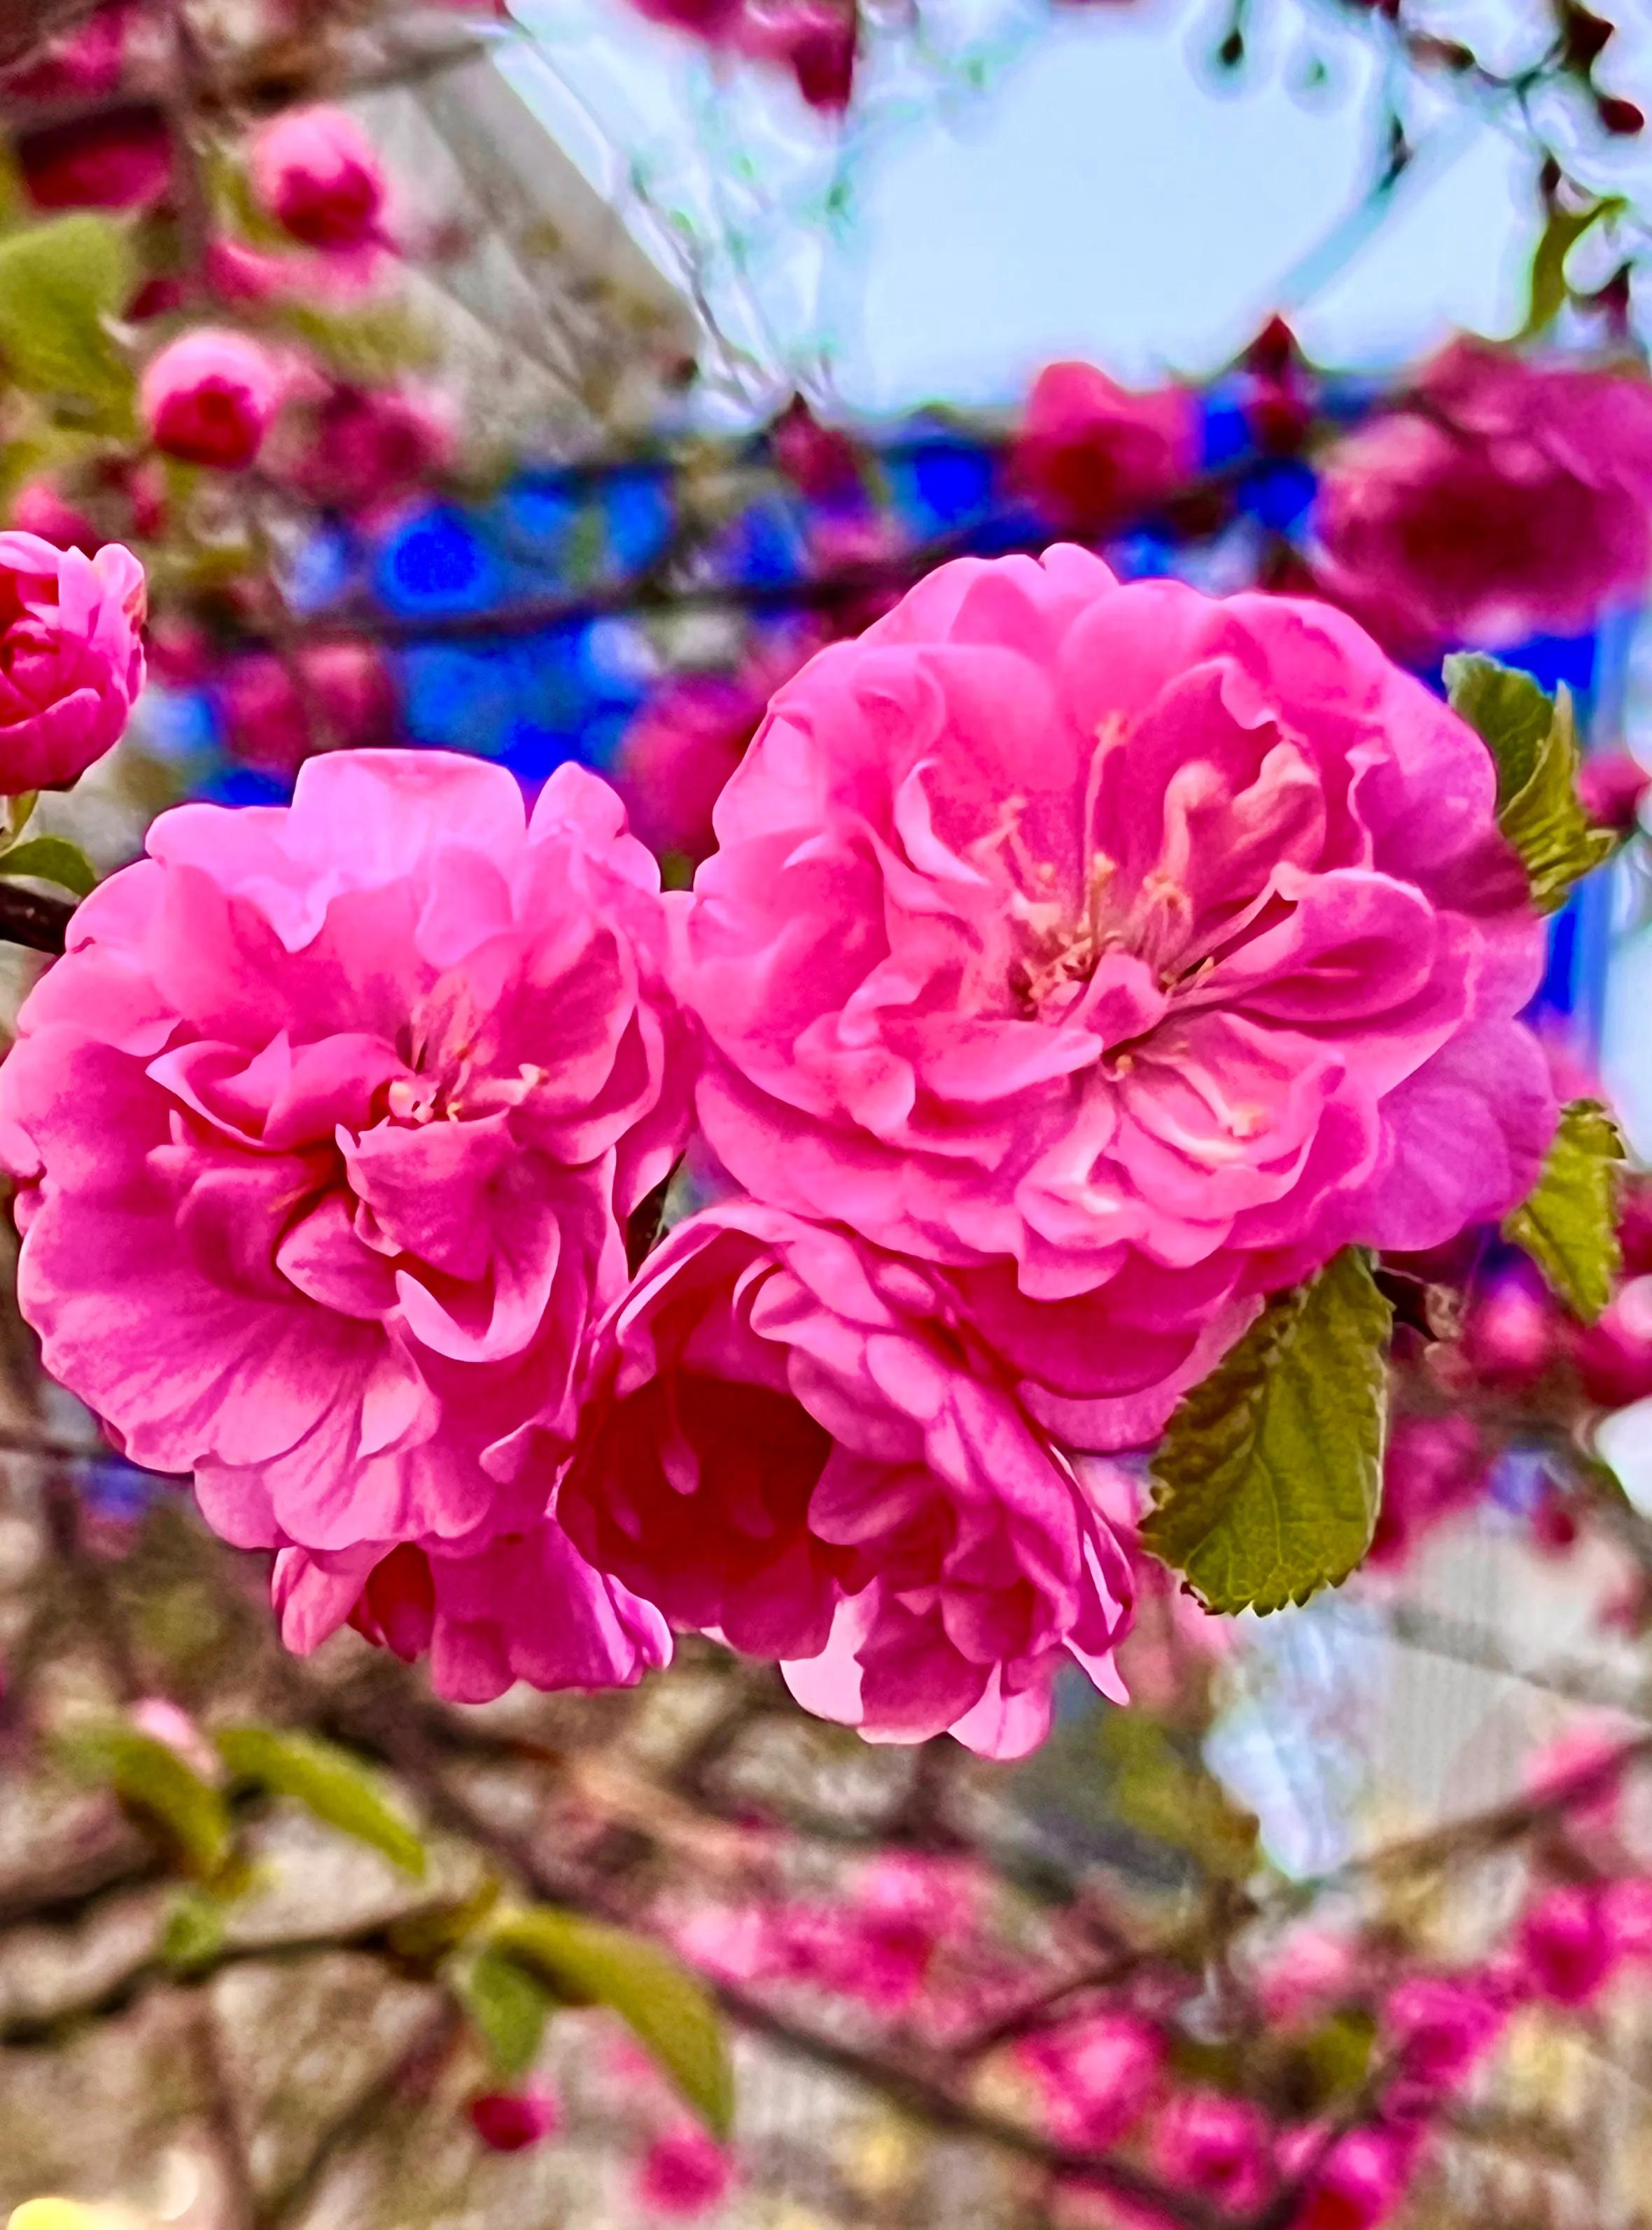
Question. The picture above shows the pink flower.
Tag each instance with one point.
(677, 754)
(163, 1722)
(1358, 2182)
(510, 2121)
(330, 696)
(814, 39)
(71, 657)
(1438, 2027)
(1512, 1333)
(1093, 455)
(369, 445)
(808, 1447)
(1613, 1356)
(210, 396)
(323, 1125)
(1432, 1466)
(523, 1606)
(40, 508)
(1098, 2075)
(1566, 1946)
(317, 173)
(1149, 946)
(683, 2173)
(1307, 1972)
(1215, 2145)
(1512, 497)
(1611, 785)
(120, 159)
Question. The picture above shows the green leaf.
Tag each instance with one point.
(1564, 228)
(329, 1781)
(52, 860)
(508, 2005)
(154, 1780)
(1267, 1482)
(666, 2008)
(1161, 1788)
(59, 283)
(191, 1934)
(1568, 1222)
(1533, 744)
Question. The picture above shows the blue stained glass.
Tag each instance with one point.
(1278, 495)
(438, 563)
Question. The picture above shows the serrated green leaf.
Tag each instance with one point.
(1564, 228)
(191, 1934)
(52, 860)
(1267, 1482)
(328, 1782)
(1568, 1222)
(508, 2004)
(59, 284)
(154, 1780)
(665, 2007)
(1537, 760)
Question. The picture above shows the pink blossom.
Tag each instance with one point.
(369, 445)
(275, 713)
(1097, 2075)
(1565, 1948)
(1585, 1767)
(814, 39)
(120, 159)
(84, 60)
(1438, 2027)
(820, 461)
(1511, 1334)
(809, 1448)
(1611, 785)
(1511, 497)
(683, 2173)
(1434, 1467)
(1149, 946)
(317, 173)
(323, 1125)
(876, 1941)
(677, 754)
(1613, 1356)
(71, 657)
(1215, 2145)
(1626, 1908)
(1093, 455)
(1355, 2184)
(510, 2121)
(522, 1607)
(163, 1721)
(40, 508)
(1307, 1972)
(210, 396)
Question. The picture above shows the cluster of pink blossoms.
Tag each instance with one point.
(1081, 964)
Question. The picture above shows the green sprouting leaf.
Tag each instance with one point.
(329, 1781)
(1564, 228)
(1267, 1482)
(508, 2004)
(1533, 744)
(52, 860)
(59, 284)
(151, 1778)
(191, 1936)
(665, 2007)
(1568, 1222)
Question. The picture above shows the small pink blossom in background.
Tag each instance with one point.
(511, 2121)
(1093, 455)
(1215, 2145)
(1433, 1467)
(1307, 1971)
(38, 507)
(1139, 948)
(1356, 2183)
(807, 1447)
(327, 1127)
(210, 396)
(1611, 785)
(815, 40)
(523, 1606)
(180, 654)
(71, 657)
(319, 175)
(678, 752)
(876, 1940)
(1613, 1356)
(1515, 498)
(1511, 1333)
(1096, 2077)
(275, 713)
(1439, 2027)
(121, 160)
(1565, 1948)
(367, 447)
(163, 1721)
(820, 461)
(683, 2173)
(76, 63)
(1626, 1908)
(1586, 1757)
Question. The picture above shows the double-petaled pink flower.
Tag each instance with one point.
(1120, 942)
(71, 657)
(327, 1126)
(802, 1445)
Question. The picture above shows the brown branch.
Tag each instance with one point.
(33, 919)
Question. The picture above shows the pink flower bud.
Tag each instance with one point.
(511, 2121)
(1440, 2025)
(1566, 1948)
(39, 508)
(1510, 1335)
(71, 657)
(316, 171)
(163, 1722)
(1092, 455)
(683, 2173)
(1611, 786)
(678, 752)
(121, 160)
(210, 396)
(1215, 2145)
